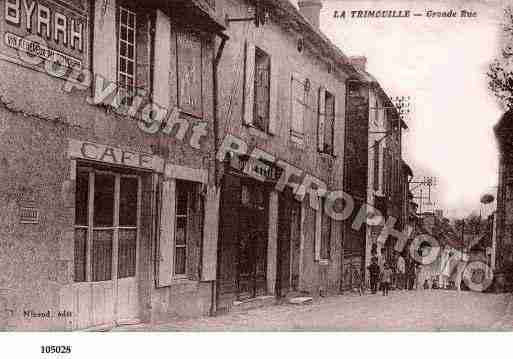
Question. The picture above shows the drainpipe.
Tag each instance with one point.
(217, 181)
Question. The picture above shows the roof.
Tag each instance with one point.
(504, 131)
(407, 169)
(293, 18)
(296, 20)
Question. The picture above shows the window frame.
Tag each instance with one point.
(128, 92)
(325, 150)
(116, 227)
(187, 186)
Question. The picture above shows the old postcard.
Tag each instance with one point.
(255, 165)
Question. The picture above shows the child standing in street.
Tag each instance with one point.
(386, 278)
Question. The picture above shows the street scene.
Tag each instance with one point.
(256, 165)
(403, 311)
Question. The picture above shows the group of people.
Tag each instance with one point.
(395, 273)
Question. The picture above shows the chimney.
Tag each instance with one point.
(311, 10)
(360, 62)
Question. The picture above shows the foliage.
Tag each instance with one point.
(500, 74)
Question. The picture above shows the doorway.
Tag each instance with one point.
(107, 222)
(252, 244)
(289, 244)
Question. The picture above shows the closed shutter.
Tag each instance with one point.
(376, 166)
(210, 230)
(321, 118)
(162, 66)
(262, 90)
(167, 233)
(194, 232)
(273, 104)
(249, 83)
(329, 123)
(105, 40)
(337, 128)
(318, 232)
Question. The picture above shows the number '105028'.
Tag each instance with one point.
(55, 349)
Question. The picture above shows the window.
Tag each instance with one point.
(375, 118)
(376, 166)
(106, 217)
(298, 110)
(188, 212)
(126, 53)
(183, 199)
(509, 191)
(329, 126)
(262, 89)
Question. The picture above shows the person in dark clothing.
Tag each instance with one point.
(386, 278)
(374, 274)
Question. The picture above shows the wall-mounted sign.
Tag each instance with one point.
(29, 215)
(266, 171)
(48, 29)
(107, 154)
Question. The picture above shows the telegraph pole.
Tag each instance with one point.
(421, 184)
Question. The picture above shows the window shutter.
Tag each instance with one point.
(337, 121)
(162, 66)
(318, 232)
(167, 233)
(210, 235)
(105, 40)
(249, 83)
(321, 118)
(273, 97)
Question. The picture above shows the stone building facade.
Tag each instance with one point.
(103, 213)
(503, 244)
(119, 200)
(270, 243)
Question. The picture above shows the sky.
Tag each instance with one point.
(441, 63)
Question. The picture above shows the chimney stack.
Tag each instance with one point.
(311, 10)
(360, 62)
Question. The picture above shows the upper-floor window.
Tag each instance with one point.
(375, 111)
(262, 90)
(329, 126)
(326, 121)
(509, 191)
(126, 53)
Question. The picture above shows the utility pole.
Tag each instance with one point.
(420, 184)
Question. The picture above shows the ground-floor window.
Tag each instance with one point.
(106, 225)
(187, 200)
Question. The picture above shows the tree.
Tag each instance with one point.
(500, 74)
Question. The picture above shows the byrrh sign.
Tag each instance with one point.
(49, 29)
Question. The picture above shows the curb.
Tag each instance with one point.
(506, 323)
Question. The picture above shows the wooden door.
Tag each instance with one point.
(252, 245)
(228, 242)
(284, 246)
(289, 242)
(106, 233)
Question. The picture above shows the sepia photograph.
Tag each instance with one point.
(255, 166)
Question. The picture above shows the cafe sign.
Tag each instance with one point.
(116, 156)
(48, 29)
